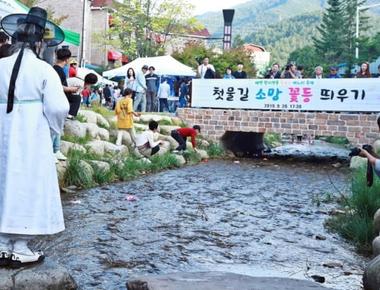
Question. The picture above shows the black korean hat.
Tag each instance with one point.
(33, 27)
(29, 28)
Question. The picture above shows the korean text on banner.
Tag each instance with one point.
(355, 95)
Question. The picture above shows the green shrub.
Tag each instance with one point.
(215, 150)
(271, 139)
(356, 224)
(165, 123)
(102, 176)
(334, 140)
(106, 113)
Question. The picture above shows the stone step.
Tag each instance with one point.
(218, 281)
(47, 275)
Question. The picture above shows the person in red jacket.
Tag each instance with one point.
(181, 134)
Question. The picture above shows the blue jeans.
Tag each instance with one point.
(182, 102)
(56, 139)
(140, 100)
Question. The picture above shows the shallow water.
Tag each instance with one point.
(254, 217)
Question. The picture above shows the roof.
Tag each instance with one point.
(254, 48)
(200, 32)
(101, 3)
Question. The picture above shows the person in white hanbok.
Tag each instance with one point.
(32, 104)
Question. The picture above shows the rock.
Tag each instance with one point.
(67, 146)
(95, 132)
(126, 137)
(104, 166)
(371, 278)
(100, 147)
(146, 118)
(167, 129)
(61, 170)
(89, 115)
(333, 264)
(141, 127)
(189, 145)
(86, 168)
(164, 148)
(47, 275)
(75, 128)
(376, 146)
(173, 143)
(376, 221)
(320, 238)
(217, 281)
(203, 154)
(376, 246)
(204, 143)
(181, 161)
(177, 121)
(318, 278)
(358, 162)
(95, 118)
(102, 122)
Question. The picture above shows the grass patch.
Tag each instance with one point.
(103, 111)
(334, 140)
(81, 118)
(356, 224)
(77, 140)
(192, 157)
(102, 176)
(165, 161)
(165, 123)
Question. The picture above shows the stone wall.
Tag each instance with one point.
(357, 128)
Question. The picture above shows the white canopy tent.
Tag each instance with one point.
(164, 65)
(82, 72)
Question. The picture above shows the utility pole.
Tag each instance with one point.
(82, 59)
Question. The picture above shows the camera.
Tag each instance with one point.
(356, 151)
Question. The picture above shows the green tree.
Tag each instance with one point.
(142, 27)
(194, 52)
(238, 41)
(331, 40)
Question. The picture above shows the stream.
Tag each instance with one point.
(253, 217)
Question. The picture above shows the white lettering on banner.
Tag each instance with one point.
(350, 95)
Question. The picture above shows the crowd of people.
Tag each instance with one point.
(36, 99)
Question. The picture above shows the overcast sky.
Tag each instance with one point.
(203, 6)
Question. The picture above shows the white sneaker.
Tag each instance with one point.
(18, 260)
(60, 156)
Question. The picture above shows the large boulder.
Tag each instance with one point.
(164, 148)
(146, 118)
(358, 162)
(104, 166)
(376, 246)
(376, 146)
(100, 147)
(61, 170)
(96, 132)
(168, 129)
(181, 161)
(141, 127)
(47, 275)
(371, 278)
(203, 154)
(376, 221)
(94, 118)
(173, 143)
(218, 281)
(67, 146)
(75, 128)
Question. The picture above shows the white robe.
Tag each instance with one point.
(30, 202)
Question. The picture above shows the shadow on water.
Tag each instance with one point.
(253, 217)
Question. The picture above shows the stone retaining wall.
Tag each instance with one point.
(357, 128)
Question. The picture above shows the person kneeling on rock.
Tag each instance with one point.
(181, 134)
(145, 143)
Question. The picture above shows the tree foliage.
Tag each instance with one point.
(50, 11)
(194, 52)
(141, 28)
